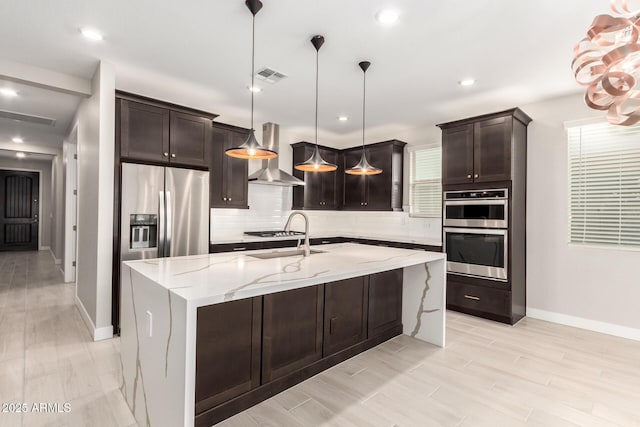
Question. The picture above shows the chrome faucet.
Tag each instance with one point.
(287, 228)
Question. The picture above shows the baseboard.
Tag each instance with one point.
(56, 261)
(582, 323)
(44, 248)
(97, 334)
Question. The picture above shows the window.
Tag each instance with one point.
(425, 194)
(604, 185)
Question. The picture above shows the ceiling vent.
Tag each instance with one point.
(27, 118)
(270, 75)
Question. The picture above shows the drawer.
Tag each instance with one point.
(479, 299)
(234, 247)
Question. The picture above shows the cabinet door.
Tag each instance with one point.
(144, 132)
(292, 331)
(457, 155)
(355, 186)
(330, 182)
(492, 149)
(379, 187)
(228, 176)
(385, 301)
(189, 140)
(228, 340)
(345, 314)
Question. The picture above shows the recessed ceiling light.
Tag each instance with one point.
(17, 140)
(387, 16)
(343, 118)
(8, 92)
(467, 82)
(20, 155)
(92, 34)
(254, 89)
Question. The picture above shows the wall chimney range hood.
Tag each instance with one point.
(270, 174)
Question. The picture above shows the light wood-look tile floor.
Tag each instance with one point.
(533, 374)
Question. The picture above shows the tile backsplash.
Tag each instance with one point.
(269, 207)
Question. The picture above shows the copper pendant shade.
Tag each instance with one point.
(251, 149)
(316, 163)
(607, 61)
(363, 167)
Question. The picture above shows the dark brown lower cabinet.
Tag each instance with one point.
(345, 314)
(478, 300)
(228, 341)
(292, 334)
(385, 301)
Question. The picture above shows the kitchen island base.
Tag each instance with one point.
(188, 360)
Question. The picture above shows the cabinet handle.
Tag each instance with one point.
(173, 155)
(468, 176)
(365, 203)
(229, 199)
(165, 154)
(476, 175)
(324, 242)
(240, 249)
(224, 198)
(472, 297)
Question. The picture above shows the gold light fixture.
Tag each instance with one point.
(607, 61)
(363, 167)
(251, 148)
(316, 163)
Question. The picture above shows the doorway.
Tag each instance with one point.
(19, 196)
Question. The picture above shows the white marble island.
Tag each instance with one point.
(160, 299)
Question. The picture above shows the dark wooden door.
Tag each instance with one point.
(355, 186)
(189, 140)
(345, 314)
(380, 186)
(144, 132)
(228, 342)
(385, 301)
(19, 212)
(228, 176)
(457, 155)
(492, 149)
(292, 331)
(330, 181)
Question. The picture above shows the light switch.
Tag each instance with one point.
(150, 323)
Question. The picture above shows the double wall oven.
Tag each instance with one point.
(476, 231)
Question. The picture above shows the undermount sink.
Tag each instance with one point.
(281, 254)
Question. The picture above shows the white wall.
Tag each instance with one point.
(44, 167)
(95, 122)
(57, 209)
(593, 287)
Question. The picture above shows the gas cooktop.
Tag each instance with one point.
(273, 233)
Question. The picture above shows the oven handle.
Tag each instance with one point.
(501, 232)
(492, 202)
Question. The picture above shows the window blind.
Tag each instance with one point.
(425, 195)
(604, 185)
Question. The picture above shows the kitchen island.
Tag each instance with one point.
(162, 344)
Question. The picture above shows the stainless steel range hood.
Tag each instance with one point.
(270, 174)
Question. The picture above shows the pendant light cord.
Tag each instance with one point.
(253, 59)
(317, 68)
(364, 97)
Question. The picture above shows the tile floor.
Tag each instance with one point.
(533, 374)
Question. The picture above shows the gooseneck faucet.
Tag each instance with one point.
(287, 228)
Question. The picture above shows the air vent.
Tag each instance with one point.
(27, 118)
(270, 75)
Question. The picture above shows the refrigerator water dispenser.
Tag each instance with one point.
(143, 231)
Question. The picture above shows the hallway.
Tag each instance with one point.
(46, 353)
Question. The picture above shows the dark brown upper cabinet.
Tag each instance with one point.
(321, 190)
(382, 192)
(228, 187)
(345, 314)
(157, 132)
(480, 149)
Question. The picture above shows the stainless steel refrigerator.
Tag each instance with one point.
(164, 212)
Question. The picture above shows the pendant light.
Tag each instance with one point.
(316, 163)
(251, 148)
(363, 167)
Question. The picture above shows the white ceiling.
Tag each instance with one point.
(198, 53)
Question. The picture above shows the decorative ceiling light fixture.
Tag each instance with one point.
(607, 61)
(316, 163)
(251, 148)
(363, 167)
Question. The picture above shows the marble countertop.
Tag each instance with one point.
(215, 278)
(389, 238)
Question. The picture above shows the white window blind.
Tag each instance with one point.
(425, 198)
(604, 185)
